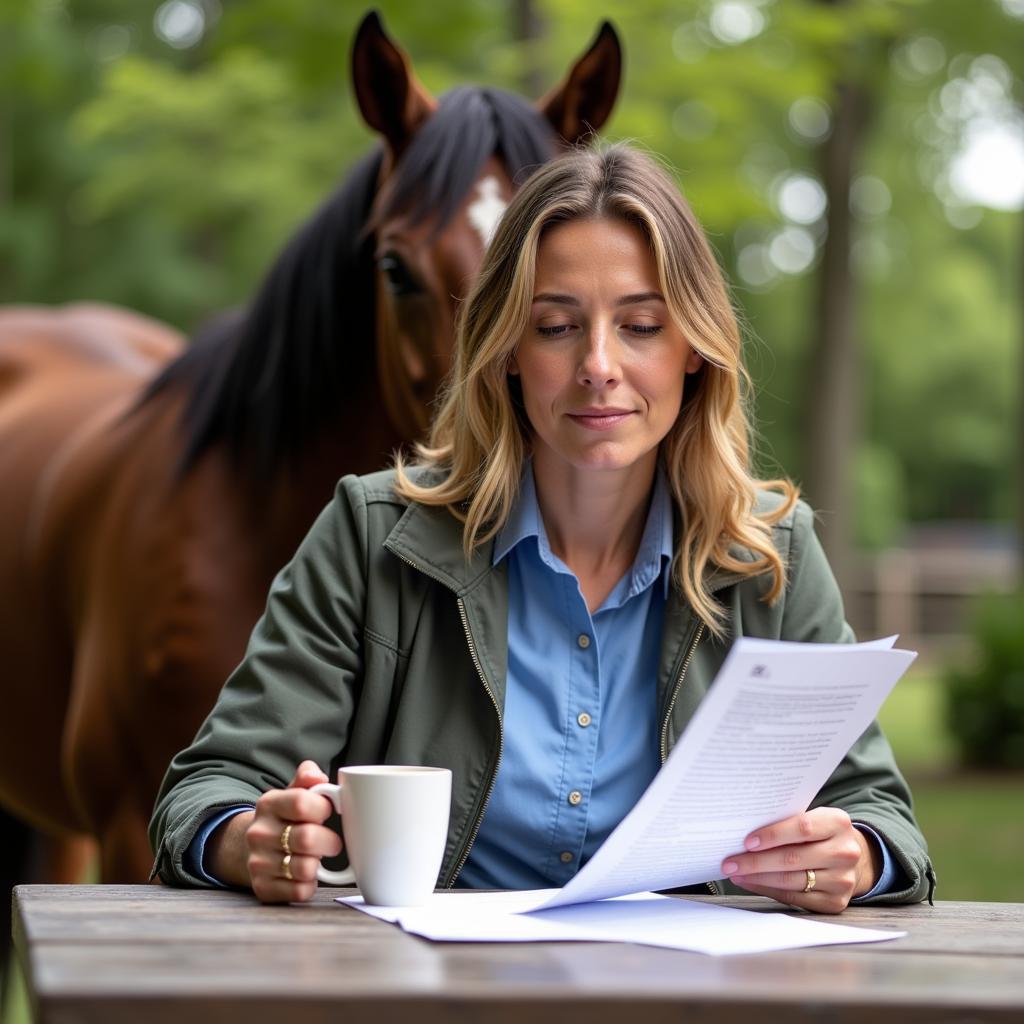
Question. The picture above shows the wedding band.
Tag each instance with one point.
(286, 867)
(810, 879)
(286, 836)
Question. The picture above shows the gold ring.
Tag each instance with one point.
(286, 867)
(286, 835)
(809, 872)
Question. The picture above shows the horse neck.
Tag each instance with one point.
(360, 439)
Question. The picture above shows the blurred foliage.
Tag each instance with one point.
(881, 489)
(165, 178)
(913, 718)
(986, 702)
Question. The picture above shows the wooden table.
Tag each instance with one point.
(110, 954)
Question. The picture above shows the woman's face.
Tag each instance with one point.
(601, 363)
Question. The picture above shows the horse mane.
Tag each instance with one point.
(268, 379)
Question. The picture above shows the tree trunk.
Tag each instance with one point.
(835, 374)
(1018, 447)
(528, 28)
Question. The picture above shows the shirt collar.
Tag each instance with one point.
(523, 519)
(653, 557)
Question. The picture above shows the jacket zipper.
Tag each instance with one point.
(464, 856)
(712, 886)
(501, 744)
(675, 691)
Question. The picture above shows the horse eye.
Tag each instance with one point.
(397, 276)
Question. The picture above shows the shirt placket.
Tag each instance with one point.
(582, 718)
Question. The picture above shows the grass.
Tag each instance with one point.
(975, 833)
(913, 719)
(17, 1001)
(972, 820)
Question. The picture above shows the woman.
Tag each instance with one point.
(541, 600)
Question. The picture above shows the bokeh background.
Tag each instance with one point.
(859, 166)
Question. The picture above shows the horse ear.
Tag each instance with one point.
(583, 101)
(390, 97)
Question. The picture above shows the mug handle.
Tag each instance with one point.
(348, 876)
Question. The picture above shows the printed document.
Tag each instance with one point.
(775, 723)
(646, 919)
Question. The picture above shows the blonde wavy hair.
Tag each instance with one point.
(480, 434)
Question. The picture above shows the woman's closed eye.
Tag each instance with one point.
(644, 330)
(554, 330)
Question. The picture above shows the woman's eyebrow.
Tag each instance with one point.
(623, 300)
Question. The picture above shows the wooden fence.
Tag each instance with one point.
(926, 593)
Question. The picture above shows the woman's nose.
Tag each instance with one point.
(599, 364)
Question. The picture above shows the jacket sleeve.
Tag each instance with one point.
(866, 784)
(291, 698)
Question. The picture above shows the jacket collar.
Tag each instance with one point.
(430, 538)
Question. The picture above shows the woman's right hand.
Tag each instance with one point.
(247, 848)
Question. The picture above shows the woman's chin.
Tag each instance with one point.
(606, 457)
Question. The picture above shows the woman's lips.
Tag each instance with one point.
(600, 419)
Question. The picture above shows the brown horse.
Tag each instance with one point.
(151, 490)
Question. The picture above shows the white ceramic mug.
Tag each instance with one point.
(395, 822)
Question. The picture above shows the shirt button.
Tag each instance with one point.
(583, 719)
(565, 857)
(575, 797)
(583, 640)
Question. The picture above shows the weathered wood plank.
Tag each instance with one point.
(89, 913)
(410, 967)
(585, 1010)
(111, 954)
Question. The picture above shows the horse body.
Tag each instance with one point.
(64, 377)
(152, 491)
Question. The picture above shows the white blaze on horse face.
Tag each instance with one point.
(485, 211)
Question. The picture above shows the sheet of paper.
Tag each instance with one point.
(644, 918)
(774, 725)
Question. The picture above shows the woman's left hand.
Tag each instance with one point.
(781, 860)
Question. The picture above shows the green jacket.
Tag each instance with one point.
(381, 644)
